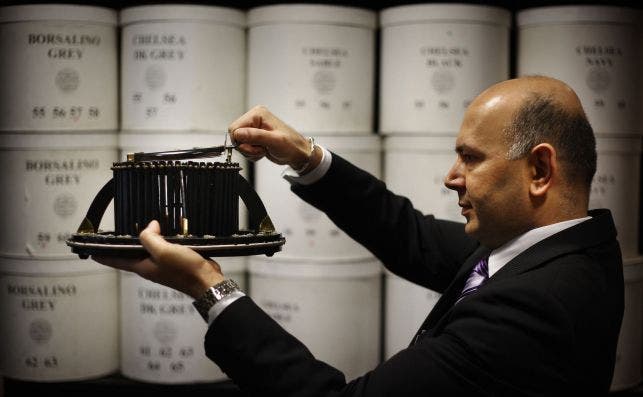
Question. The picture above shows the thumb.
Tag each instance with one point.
(152, 240)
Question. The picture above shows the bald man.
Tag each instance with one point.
(531, 284)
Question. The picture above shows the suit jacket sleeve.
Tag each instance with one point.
(536, 334)
(416, 247)
(263, 359)
(530, 330)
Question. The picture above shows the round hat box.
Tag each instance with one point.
(50, 181)
(332, 307)
(58, 69)
(313, 66)
(594, 49)
(59, 319)
(182, 67)
(435, 58)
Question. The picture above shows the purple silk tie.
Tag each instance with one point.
(479, 275)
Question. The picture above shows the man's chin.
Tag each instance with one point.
(471, 228)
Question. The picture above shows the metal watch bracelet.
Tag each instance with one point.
(305, 166)
(213, 295)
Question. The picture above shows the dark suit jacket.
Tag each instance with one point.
(546, 324)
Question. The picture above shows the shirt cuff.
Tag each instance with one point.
(220, 306)
(313, 176)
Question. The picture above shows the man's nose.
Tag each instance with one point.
(454, 179)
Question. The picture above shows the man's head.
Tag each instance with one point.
(525, 158)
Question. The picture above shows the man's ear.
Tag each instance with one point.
(543, 165)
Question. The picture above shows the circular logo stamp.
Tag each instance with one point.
(40, 330)
(67, 80)
(442, 81)
(324, 81)
(165, 331)
(65, 205)
(155, 77)
(597, 79)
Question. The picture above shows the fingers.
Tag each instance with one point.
(152, 240)
(258, 134)
(155, 226)
(251, 152)
(254, 136)
(144, 268)
(255, 143)
(257, 117)
(166, 254)
(257, 121)
(116, 262)
(149, 238)
(147, 269)
(173, 265)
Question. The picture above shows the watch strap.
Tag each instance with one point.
(213, 295)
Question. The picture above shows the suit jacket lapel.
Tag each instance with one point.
(587, 234)
(590, 233)
(453, 291)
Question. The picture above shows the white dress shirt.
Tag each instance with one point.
(313, 176)
(503, 254)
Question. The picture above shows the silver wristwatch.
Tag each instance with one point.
(213, 295)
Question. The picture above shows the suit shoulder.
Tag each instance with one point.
(582, 282)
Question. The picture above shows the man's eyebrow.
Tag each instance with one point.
(463, 147)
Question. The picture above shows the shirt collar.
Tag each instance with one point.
(503, 254)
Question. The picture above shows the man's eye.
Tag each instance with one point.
(467, 157)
